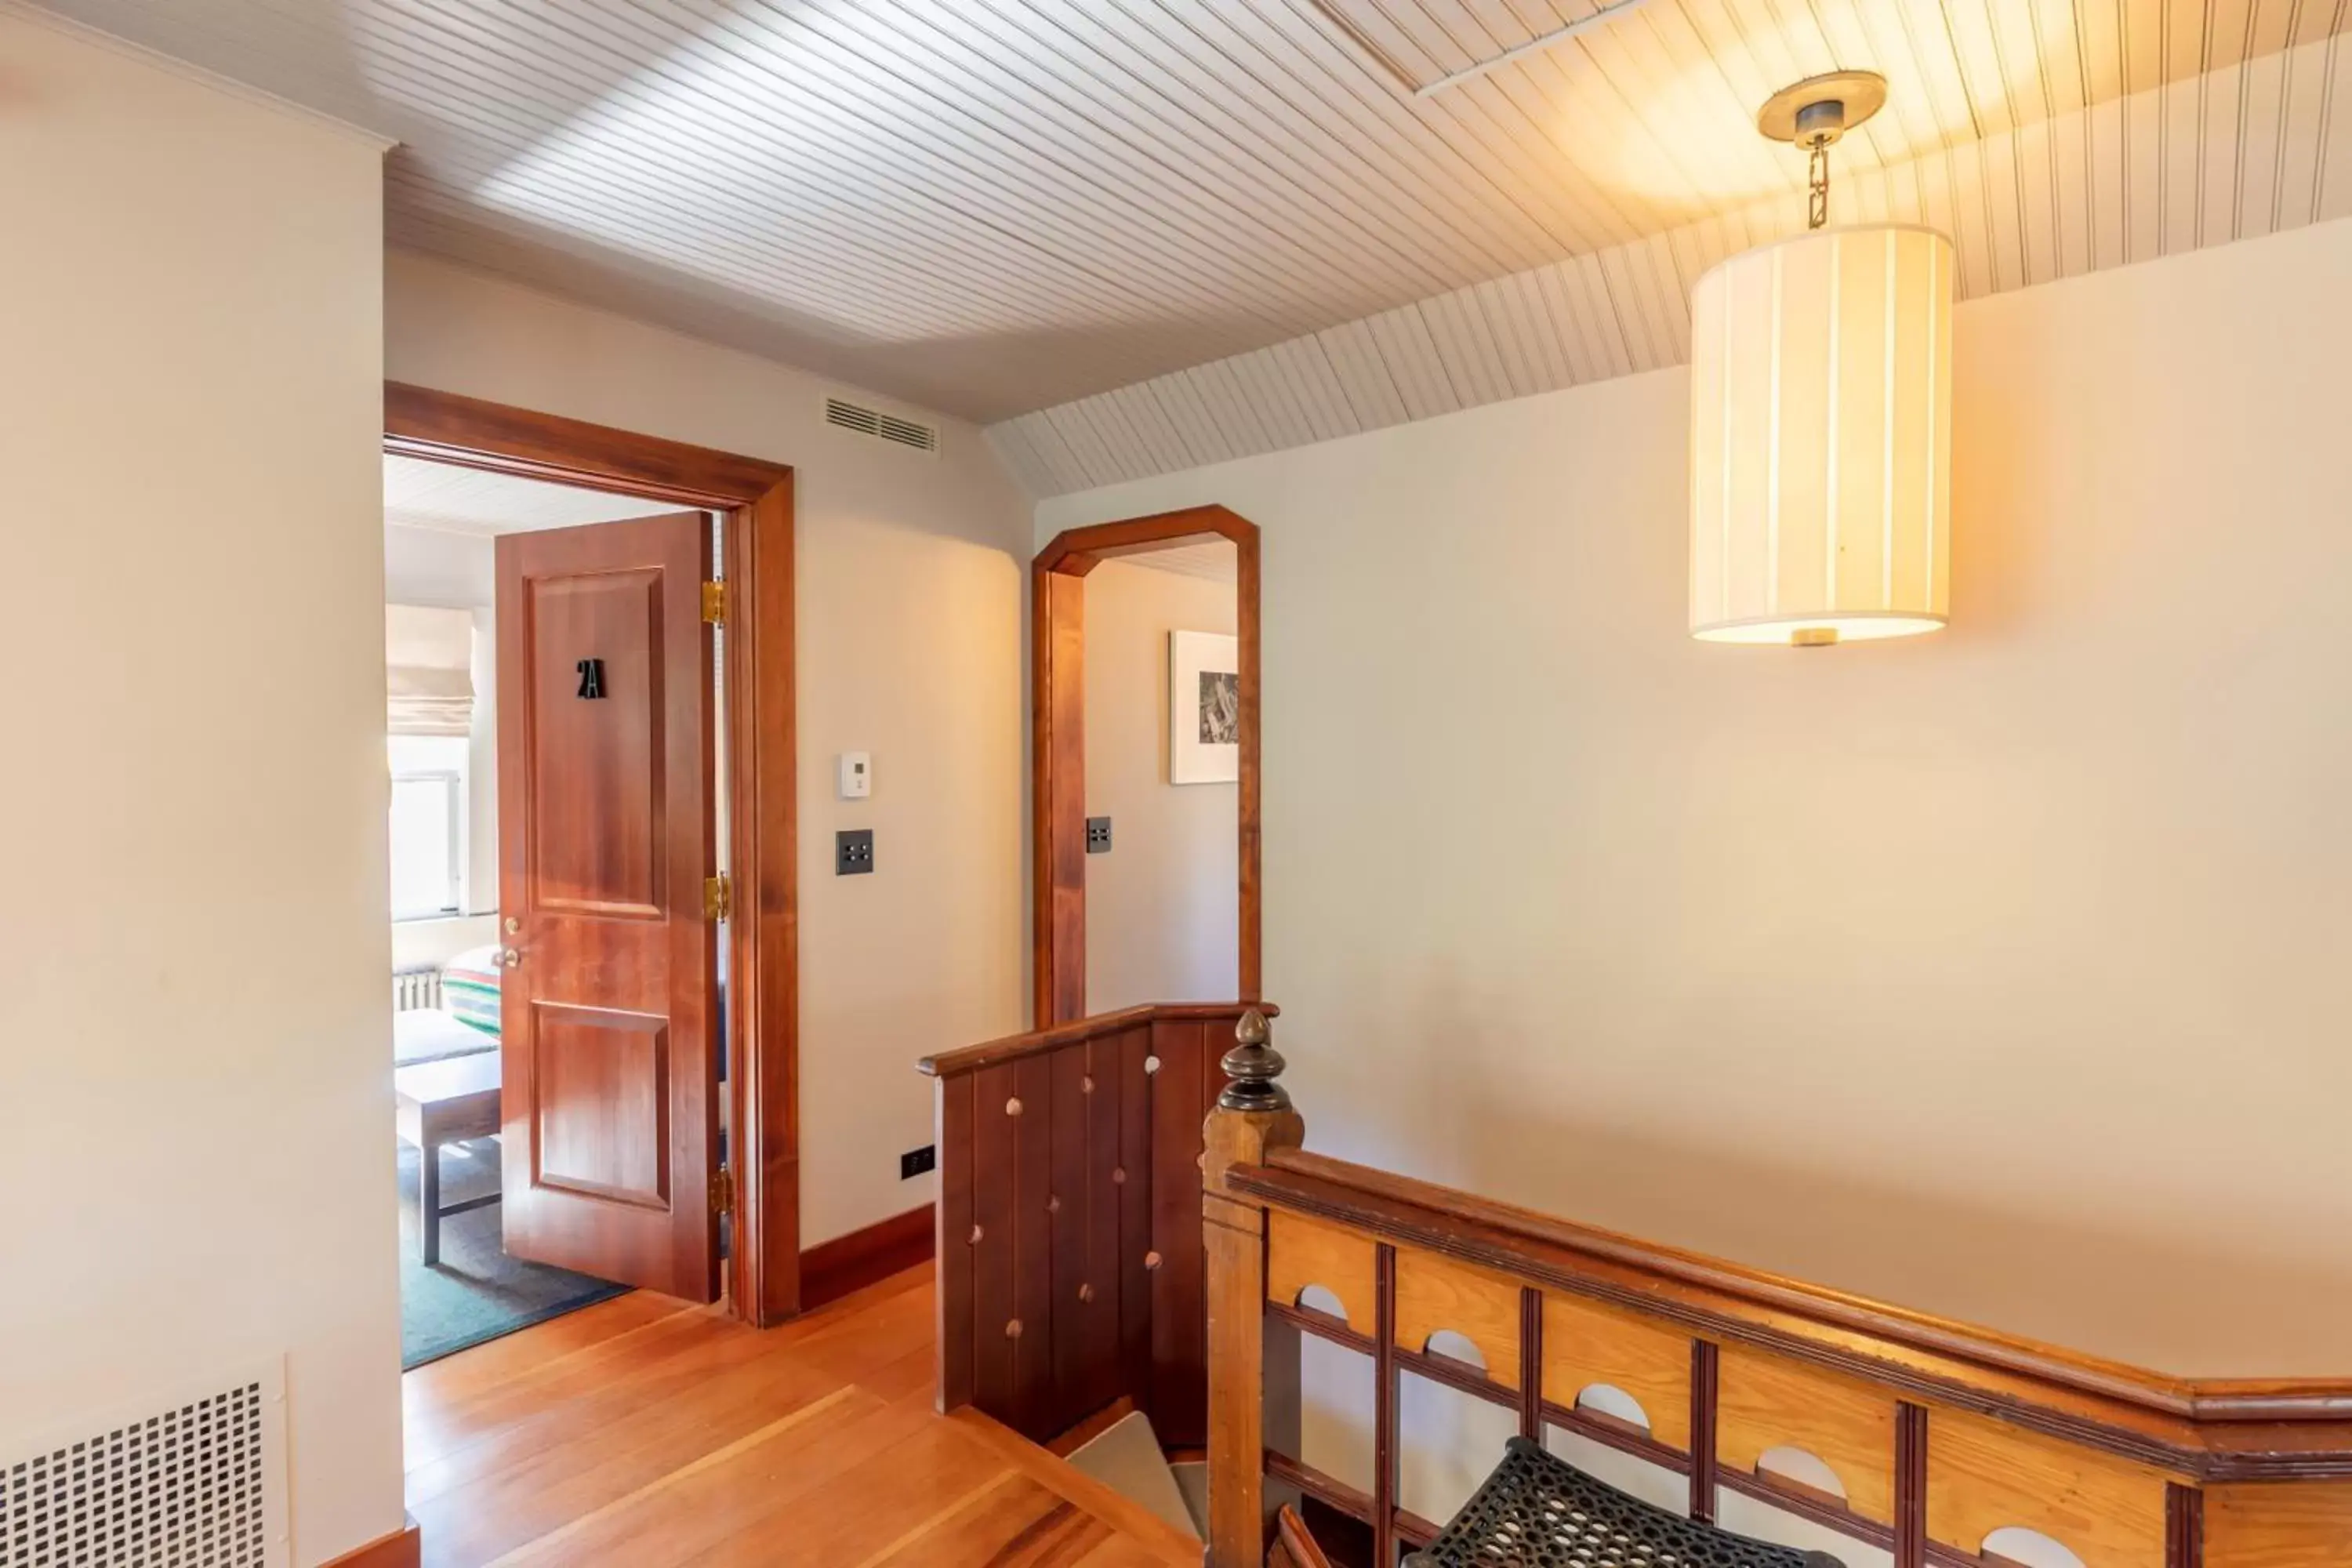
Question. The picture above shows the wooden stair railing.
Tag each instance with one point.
(1941, 1433)
(1071, 1272)
(1293, 1546)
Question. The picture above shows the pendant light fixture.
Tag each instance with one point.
(1820, 415)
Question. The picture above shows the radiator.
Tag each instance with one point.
(412, 989)
(197, 1477)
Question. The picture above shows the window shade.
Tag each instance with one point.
(428, 670)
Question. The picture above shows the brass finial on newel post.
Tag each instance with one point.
(1253, 1064)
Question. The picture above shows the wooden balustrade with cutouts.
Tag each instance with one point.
(1942, 1435)
(1071, 1273)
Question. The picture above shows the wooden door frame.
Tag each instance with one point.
(1057, 707)
(763, 973)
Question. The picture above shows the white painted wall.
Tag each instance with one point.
(417, 944)
(196, 1101)
(1164, 906)
(439, 567)
(1998, 971)
(911, 579)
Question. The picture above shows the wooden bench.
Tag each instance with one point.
(443, 1102)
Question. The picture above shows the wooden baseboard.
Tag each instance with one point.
(832, 1269)
(401, 1549)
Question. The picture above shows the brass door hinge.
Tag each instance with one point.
(717, 897)
(722, 1190)
(714, 602)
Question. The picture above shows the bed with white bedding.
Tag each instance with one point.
(430, 1035)
(465, 1024)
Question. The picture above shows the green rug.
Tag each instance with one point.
(476, 1292)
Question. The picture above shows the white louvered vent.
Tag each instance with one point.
(198, 1483)
(888, 426)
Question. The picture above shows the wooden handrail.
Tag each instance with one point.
(1038, 1042)
(1292, 1176)
(1293, 1540)
(2214, 1430)
(1941, 1433)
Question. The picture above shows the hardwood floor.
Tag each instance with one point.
(648, 1432)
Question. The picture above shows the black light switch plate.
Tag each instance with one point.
(915, 1162)
(852, 852)
(1098, 835)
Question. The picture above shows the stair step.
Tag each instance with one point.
(1127, 1458)
(1172, 1546)
(1192, 1480)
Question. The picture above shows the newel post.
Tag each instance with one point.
(1253, 1117)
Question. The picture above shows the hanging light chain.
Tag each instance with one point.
(1817, 172)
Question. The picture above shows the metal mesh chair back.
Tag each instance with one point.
(1537, 1510)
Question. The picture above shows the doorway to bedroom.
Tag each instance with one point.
(450, 534)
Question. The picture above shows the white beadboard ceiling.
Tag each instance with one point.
(995, 206)
(450, 500)
(2252, 149)
(1214, 560)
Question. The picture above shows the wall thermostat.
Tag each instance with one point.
(856, 776)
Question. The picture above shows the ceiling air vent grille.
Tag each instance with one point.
(886, 426)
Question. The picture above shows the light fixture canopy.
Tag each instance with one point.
(1820, 108)
(1820, 418)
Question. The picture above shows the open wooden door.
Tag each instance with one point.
(609, 1010)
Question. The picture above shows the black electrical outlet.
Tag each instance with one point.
(1098, 835)
(915, 1162)
(852, 852)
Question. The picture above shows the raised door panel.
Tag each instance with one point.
(596, 817)
(602, 1104)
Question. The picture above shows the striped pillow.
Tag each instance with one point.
(470, 988)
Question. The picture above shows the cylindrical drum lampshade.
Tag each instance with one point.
(1821, 436)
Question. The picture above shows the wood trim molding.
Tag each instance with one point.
(471, 433)
(1532, 1390)
(763, 1003)
(1910, 1543)
(1705, 1475)
(1386, 1436)
(2184, 1526)
(404, 1547)
(1409, 1527)
(1625, 1436)
(1039, 1042)
(832, 1269)
(1153, 1538)
(1057, 744)
(2290, 1430)
(764, 1016)
(1291, 1536)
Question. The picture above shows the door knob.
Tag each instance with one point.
(512, 958)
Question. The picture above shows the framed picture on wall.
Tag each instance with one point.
(1205, 708)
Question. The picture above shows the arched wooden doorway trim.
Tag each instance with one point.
(1057, 698)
